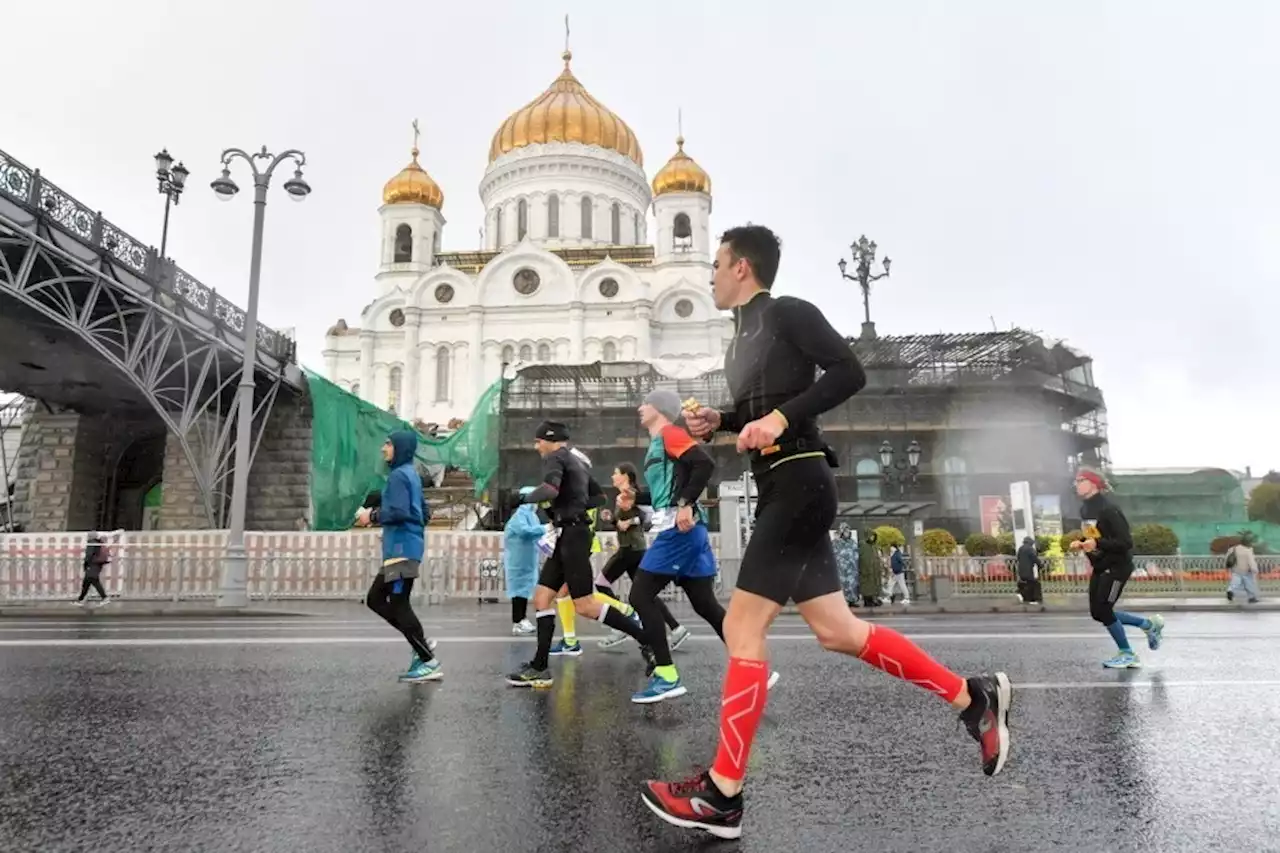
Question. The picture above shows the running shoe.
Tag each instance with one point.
(431, 646)
(987, 718)
(1155, 634)
(615, 638)
(678, 637)
(523, 628)
(528, 676)
(561, 648)
(657, 690)
(414, 663)
(424, 671)
(1124, 660)
(695, 803)
(104, 602)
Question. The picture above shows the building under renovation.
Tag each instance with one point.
(943, 427)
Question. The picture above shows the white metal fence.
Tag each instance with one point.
(165, 566)
(1174, 575)
(174, 566)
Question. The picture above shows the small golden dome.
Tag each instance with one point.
(681, 174)
(413, 186)
(566, 112)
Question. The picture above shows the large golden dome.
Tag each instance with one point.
(413, 186)
(566, 112)
(681, 174)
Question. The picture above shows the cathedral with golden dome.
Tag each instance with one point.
(568, 272)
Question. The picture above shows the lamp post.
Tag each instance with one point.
(899, 473)
(171, 180)
(864, 255)
(233, 588)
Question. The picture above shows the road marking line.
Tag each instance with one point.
(1132, 685)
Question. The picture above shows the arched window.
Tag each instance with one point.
(553, 215)
(526, 353)
(610, 351)
(955, 484)
(404, 244)
(868, 473)
(522, 219)
(394, 382)
(637, 223)
(508, 354)
(586, 217)
(442, 375)
(615, 225)
(681, 233)
(497, 228)
(435, 244)
(544, 353)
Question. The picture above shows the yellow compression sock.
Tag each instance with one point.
(624, 609)
(666, 673)
(568, 619)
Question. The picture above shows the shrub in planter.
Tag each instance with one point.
(1154, 540)
(1043, 544)
(1006, 545)
(938, 543)
(981, 545)
(1065, 540)
(887, 537)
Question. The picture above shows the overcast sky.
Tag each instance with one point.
(1100, 172)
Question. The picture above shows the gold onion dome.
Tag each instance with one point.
(681, 174)
(413, 186)
(566, 112)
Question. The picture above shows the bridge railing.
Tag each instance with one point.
(183, 566)
(38, 195)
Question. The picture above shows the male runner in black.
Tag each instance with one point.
(778, 347)
(568, 490)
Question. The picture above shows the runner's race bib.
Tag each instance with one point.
(547, 543)
(663, 519)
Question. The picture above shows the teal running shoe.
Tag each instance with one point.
(658, 690)
(424, 671)
(563, 649)
(1155, 634)
(1124, 660)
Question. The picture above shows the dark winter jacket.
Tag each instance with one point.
(96, 555)
(400, 513)
(1028, 561)
(1103, 522)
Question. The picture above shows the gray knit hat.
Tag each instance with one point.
(666, 401)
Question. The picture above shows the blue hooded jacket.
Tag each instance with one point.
(520, 549)
(400, 516)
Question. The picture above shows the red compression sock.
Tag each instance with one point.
(888, 650)
(746, 687)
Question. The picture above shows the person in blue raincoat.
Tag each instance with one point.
(520, 557)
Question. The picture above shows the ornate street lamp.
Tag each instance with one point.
(233, 587)
(171, 179)
(864, 256)
(899, 473)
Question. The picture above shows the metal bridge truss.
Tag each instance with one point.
(89, 277)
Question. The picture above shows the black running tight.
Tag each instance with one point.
(627, 561)
(701, 593)
(391, 602)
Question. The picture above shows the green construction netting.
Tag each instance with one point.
(346, 449)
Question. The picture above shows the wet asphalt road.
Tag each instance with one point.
(289, 735)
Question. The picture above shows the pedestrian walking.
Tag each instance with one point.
(520, 562)
(897, 576)
(97, 554)
(1029, 567)
(1243, 564)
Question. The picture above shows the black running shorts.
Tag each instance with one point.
(789, 555)
(570, 562)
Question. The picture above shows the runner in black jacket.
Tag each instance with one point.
(779, 346)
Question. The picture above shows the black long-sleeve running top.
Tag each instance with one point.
(569, 487)
(778, 347)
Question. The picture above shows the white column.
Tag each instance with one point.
(331, 365)
(475, 348)
(366, 365)
(409, 382)
(577, 316)
(644, 332)
(429, 375)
